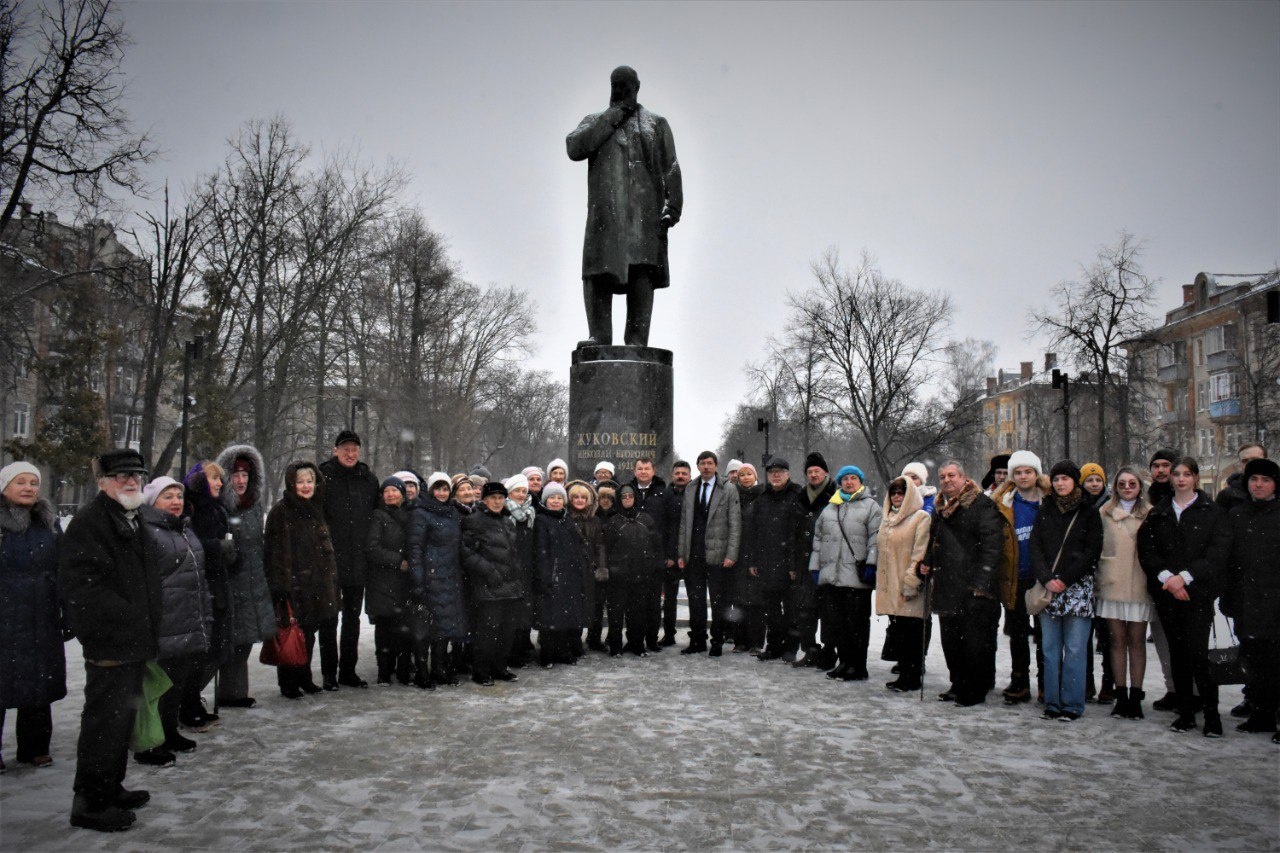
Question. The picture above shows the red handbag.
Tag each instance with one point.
(288, 647)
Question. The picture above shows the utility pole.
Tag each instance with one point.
(763, 426)
(191, 351)
(356, 403)
(1063, 381)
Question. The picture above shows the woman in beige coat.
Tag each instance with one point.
(903, 537)
(1123, 599)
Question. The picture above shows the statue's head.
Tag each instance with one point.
(624, 85)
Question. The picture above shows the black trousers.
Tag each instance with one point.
(1262, 656)
(495, 626)
(187, 674)
(111, 696)
(349, 644)
(1021, 629)
(969, 644)
(628, 600)
(1187, 625)
(34, 730)
(392, 645)
(699, 580)
(558, 646)
(295, 676)
(666, 595)
(802, 611)
(910, 645)
(233, 676)
(846, 615)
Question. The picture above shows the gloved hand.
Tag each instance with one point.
(229, 554)
(602, 574)
(910, 592)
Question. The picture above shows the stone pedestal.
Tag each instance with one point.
(620, 409)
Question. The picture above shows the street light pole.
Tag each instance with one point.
(191, 350)
(1063, 381)
(763, 426)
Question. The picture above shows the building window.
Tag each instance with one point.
(20, 420)
(1224, 386)
(1206, 442)
(1202, 396)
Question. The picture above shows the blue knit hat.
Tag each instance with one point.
(850, 469)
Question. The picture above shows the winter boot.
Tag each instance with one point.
(1019, 689)
(840, 671)
(1167, 702)
(1135, 703)
(1121, 708)
(826, 658)
(1212, 724)
(1107, 694)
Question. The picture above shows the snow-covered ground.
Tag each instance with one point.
(669, 752)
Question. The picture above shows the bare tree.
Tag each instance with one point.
(63, 126)
(880, 339)
(1092, 321)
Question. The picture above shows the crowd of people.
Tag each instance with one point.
(469, 575)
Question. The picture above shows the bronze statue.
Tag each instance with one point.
(634, 195)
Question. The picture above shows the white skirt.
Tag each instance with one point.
(1126, 611)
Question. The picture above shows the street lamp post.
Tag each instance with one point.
(356, 403)
(1063, 381)
(763, 426)
(192, 351)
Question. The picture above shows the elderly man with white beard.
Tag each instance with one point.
(110, 583)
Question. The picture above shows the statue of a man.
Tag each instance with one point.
(634, 195)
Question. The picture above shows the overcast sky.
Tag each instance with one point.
(984, 149)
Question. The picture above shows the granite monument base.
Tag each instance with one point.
(620, 410)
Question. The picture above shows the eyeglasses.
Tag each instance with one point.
(125, 477)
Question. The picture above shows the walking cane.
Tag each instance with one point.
(924, 630)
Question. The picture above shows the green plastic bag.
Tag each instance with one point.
(148, 733)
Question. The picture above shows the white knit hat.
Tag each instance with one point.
(438, 477)
(534, 469)
(557, 463)
(608, 466)
(917, 468)
(517, 481)
(734, 465)
(13, 469)
(407, 477)
(152, 490)
(1025, 459)
(550, 490)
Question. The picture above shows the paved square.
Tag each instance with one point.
(670, 753)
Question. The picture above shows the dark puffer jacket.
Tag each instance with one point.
(33, 665)
(109, 581)
(633, 546)
(186, 627)
(773, 536)
(966, 551)
(1197, 543)
(252, 617)
(350, 497)
(386, 586)
(299, 554)
(591, 529)
(1252, 589)
(435, 567)
(561, 562)
(1082, 548)
(490, 560)
(212, 525)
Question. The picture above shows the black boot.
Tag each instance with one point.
(1121, 708)
(1135, 703)
(840, 672)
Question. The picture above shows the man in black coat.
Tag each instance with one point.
(966, 559)
(664, 607)
(812, 499)
(1252, 591)
(773, 542)
(351, 494)
(651, 499)
(110, 584)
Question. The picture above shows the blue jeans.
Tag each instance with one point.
(1064, 641)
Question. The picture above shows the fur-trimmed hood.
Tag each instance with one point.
(315, 504)
(1004, 494)
(912, 503)
(257, 475)
(592, 503)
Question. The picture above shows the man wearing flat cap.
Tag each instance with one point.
(110, 582)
